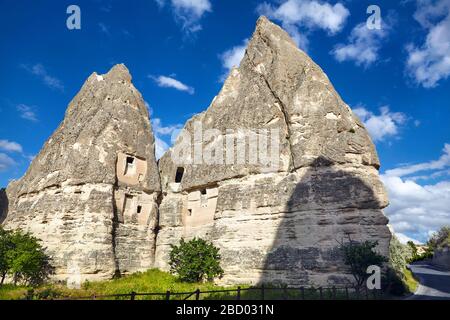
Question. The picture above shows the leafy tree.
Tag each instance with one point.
(195, 261)
(5, 246)
(359, 256)
(23, 258)
(440, 239)
(415, 256)
(399, 255)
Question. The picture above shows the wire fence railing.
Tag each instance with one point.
(252, 293)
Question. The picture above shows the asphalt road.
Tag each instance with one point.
(434, 283)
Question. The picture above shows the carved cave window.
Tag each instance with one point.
(139, 209)
(130, 165)
(179, 175)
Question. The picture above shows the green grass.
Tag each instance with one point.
(410, 281)
(151, 281)
(156, 281)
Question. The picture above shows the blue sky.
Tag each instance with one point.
(396, 78)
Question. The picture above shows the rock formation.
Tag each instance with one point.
(91, 193)
(284, 224)
(275, 172)
(3, 205)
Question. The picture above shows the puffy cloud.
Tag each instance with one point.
(27, 112)
(6, 162)
(160, 147)
(363, 45)
(169, 82)
(10, 146)
(188, 12)
(307, 15)
(429, 62)
(417, 210)
(439, 164)
(233, 57)
(40, 71)
(386, 124)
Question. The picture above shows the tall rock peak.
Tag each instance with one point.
(273, 173)
(91, 193)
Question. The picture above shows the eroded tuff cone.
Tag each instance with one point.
(281, 225)
(90, 194)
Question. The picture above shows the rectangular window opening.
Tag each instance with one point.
(139, 209)
(179, 175)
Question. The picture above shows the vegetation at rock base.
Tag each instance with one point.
(151, 281)
(23, 259)
(402, 280)
(440, 239)
(195, 261)
(358, 256)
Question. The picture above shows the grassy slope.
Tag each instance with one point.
(410, 281)
(152, 281)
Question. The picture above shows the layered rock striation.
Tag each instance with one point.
(276, 172)
(91, 193)
(280, 223)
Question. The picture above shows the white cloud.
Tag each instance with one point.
(188, 12)
(429, 63)
(104, 28)
(363, 45)
(417, 210)
(27, 112)
(159, 129)
(6, 162)
(10, 146)
(160, 147)
(405, 239)
(386, 124)
(306, 14)
(40, 71)
(442, 163)
(233, 57)
(169, 82)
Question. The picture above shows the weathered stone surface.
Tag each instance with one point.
(3, 205)
(281, 225)
(97, 197)
(74, 195)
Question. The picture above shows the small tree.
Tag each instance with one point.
(23, 258)
(440, 239)
(5, 246)
(359, 256)
(195, 261)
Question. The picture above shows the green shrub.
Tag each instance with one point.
(23, 258)
(440, 239)
(359, 256)
(195, 261)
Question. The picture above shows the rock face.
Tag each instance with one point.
(275, 172)
(280, 223)
(91, 193)
(3, 205)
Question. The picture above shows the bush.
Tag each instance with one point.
(440, 239)
(359, 256)
(195, 261)
(23, 258)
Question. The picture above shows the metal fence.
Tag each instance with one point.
(253, 293)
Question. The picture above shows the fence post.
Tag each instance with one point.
(321, 293)
(262, 292)
(334, 292)
(238, 297)
(133, 295)
(285, 294)
(197, 294)
(303, 293)
(168, 295)
(346, 293)
(367, 293)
